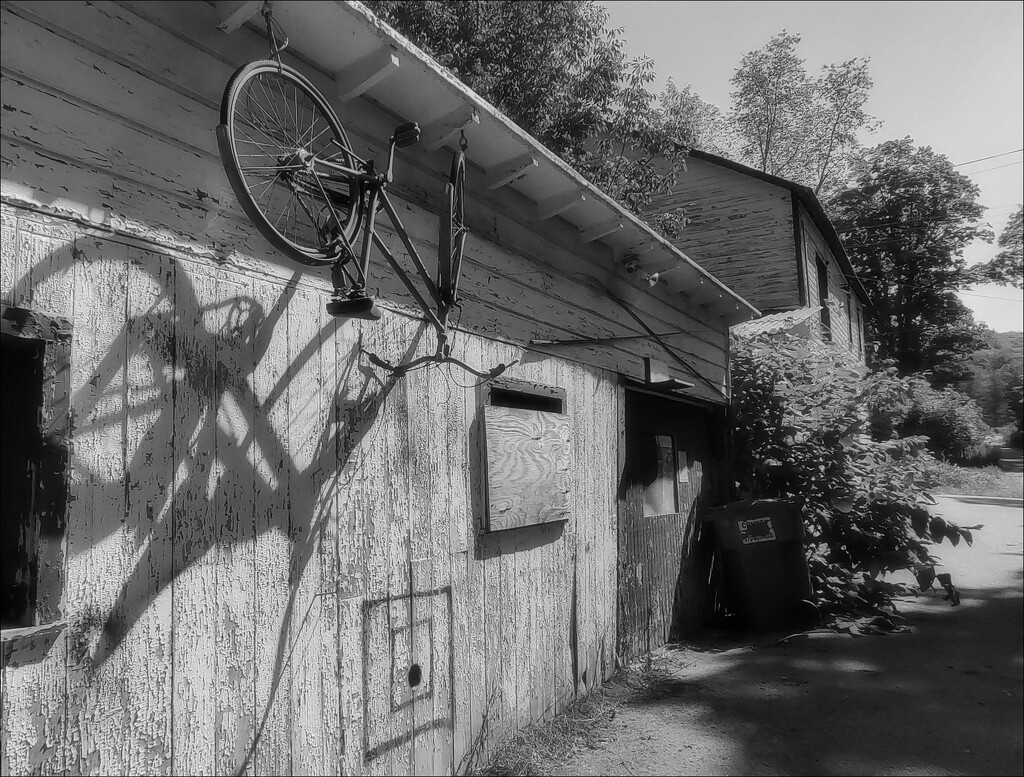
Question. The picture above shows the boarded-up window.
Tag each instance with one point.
(526, 433)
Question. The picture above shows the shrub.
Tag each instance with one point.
(951, 421)
(801, 415)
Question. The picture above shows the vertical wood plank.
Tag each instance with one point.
(480, 713)
(563, 582)
(459, 516)
(353, 511)
(385, 651)
(305, 429)
(149, 478)
(422, 427)
(329, 465)
(273, 466)
(235, 320)
(96, 568)
(194, 561)
(447, 496)
(399, 529)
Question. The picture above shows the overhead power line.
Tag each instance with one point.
(982, 159)
(997, 167)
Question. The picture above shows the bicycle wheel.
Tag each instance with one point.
(457, 180)
(452, 229)
(276, 130)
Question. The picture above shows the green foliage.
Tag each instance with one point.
(552, 67)
(995, 372)
(792, 125)
(700, 124)
(801, 417)
(905, 222)
(1008, 266)
(557, 71)
(951, 421)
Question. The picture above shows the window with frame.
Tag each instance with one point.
(35, 359)
(826, 312)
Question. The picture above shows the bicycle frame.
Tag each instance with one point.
(378, 200)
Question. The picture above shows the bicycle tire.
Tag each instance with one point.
(274, 127)
(451, 234)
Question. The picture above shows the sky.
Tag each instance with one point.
(948, 74)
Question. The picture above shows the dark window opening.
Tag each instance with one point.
(21, 386)
(35, 370)
(849, 318)
(660, 479)
(503, 397)
(826, 313)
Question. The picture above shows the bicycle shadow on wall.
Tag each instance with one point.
(173, 378)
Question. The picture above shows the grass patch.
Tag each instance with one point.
(540, 747)
(647, 679)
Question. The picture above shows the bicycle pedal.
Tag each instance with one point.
(359, 307)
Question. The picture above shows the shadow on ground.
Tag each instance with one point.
(910, 703)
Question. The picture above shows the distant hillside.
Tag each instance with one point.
(996, 371)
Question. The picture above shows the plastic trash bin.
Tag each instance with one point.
(761, 550)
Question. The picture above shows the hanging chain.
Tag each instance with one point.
(273, 28)
(463, 143)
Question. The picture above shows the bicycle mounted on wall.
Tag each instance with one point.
(293, 170)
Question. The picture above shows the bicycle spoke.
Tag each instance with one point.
(284, 106)
(270, 101)
(254, 108)
(340, 224)
(279, 126)
(276, 145)
(267, 188)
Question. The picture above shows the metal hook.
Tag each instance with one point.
(463, 143)
(268, 14)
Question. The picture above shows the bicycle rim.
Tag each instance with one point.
(276, 129)
(455, 218)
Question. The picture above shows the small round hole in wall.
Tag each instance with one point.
(415, 675)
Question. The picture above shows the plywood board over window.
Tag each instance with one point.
(526, 434)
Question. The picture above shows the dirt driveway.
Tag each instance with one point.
(943, 698)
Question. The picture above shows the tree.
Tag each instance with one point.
(553, 67)
(556, 70)
(701, 124)
(1008, 266)
(794, 126)
(905, 221)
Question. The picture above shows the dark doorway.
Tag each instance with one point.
(673, 462)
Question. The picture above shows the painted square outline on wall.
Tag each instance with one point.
(404, 667)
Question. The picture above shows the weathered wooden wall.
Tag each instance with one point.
(263, 531)
(847, 312)
(117, 123)
(255, 515)
(740, 229)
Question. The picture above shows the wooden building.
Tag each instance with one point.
(771, 241)
(231, 543)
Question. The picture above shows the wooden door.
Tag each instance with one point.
(671, 453)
